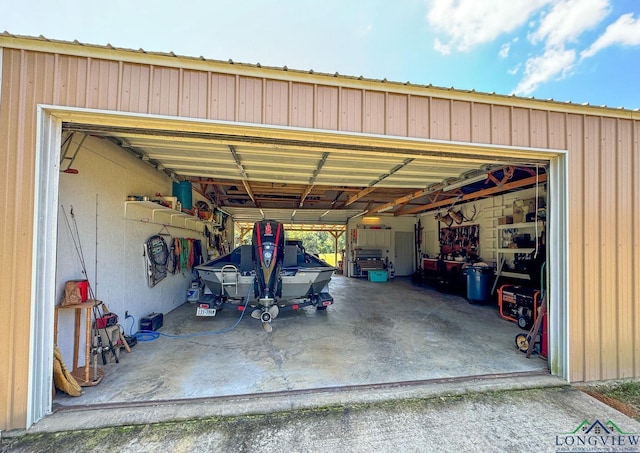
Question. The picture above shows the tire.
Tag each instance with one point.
(522, 343)
(524, 323)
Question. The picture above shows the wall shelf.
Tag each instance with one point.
(516, 250)
(520, 225)
(504, 253)
(150, 212)
(519, 275)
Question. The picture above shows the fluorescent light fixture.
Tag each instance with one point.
(388, 208)
(262, 212)
(358, 215)
(325, 213)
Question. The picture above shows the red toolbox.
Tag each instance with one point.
(519, 304)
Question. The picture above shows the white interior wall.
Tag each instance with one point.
(488, 212)
(111, 245)
(406, 224)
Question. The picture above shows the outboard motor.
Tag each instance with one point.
(268, 253)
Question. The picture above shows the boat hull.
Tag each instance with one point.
(229, 277)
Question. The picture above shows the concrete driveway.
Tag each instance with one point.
(526, 412)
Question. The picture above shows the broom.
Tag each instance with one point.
(62, 379)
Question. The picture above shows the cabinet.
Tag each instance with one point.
(516, 243)
(373, 237)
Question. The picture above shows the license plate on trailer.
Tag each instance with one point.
(206, 311)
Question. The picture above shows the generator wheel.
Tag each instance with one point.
(524, 323)
(522, 343)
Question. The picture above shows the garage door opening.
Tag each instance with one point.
(376, 333)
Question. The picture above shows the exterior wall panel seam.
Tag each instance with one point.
(209, 91)
(289, 102)
(236, 113)
(314, 111)
(150, 89)
(120, 76)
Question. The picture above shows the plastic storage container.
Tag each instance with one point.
(377, 276)
(479, 279)
(182, 191)
(84, 289)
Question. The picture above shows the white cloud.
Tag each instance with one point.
(553, 63)
(504, 50)
(625, 31)
(555, 27)
(469, 23)
(567, 20)
(440, 47)
(559, 27)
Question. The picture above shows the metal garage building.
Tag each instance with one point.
(592, 155)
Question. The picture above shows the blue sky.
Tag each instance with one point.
(582, 51)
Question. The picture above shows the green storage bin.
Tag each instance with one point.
(377, 276)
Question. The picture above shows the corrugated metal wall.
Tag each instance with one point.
(604, 166)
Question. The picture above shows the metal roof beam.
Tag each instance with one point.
(356, 197)
(236, 158)
(480, 194)
(313, 177)
(247, 187)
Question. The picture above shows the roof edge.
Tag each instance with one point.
(141, 56)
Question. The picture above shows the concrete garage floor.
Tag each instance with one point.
(375, 333)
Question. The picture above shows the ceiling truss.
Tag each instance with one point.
(311, 182)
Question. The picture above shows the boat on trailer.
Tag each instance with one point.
(268, 276)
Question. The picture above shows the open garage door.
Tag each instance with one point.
(376, 333)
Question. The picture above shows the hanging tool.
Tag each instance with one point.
(70, 155)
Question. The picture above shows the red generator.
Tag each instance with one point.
(519, 304)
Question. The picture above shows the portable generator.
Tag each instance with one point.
(519, 304)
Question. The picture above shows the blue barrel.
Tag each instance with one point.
(479, 279)
(182, 190)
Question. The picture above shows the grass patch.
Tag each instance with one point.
(622, 396)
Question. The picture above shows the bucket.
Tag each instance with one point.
(83, 285)
(182, 190)
(479, 283)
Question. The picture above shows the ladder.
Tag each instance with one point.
(229, 277)
(69, 152)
